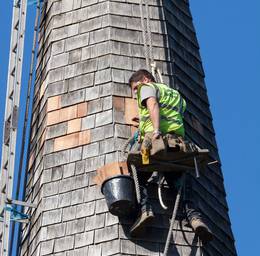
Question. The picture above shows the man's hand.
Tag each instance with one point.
(156, 134)
(136, 119)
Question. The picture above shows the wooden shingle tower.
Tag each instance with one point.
(87, 51)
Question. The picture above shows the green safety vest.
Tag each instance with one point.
(172, 107)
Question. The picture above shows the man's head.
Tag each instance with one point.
(140, 76)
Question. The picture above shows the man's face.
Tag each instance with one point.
(135, 85)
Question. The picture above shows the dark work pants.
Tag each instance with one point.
(173, 180)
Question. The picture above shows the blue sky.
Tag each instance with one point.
(228, 33)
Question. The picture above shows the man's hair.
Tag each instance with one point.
(140, 75)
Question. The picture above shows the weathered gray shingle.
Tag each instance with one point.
(64, 244)
(106, 234)
(84, 239)
(75, 226)
(51, 217)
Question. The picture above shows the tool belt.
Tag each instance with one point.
(169, 141)
(167, 153)
(175, 142)
(161, 146)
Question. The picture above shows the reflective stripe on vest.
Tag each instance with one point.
(172, 106)
(175, 108)
(145, 118)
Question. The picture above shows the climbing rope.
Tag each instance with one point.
(149, 33)
(174, 213)
(137, 185)
(146, 51)
(132, 141)
(147, 41)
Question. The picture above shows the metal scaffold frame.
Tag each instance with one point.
(11, 121)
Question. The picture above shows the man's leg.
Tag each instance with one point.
(145, 214)
(188, 204)
(193, 215)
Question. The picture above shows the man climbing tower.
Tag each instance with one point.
(161, 115)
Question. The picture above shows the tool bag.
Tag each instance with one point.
(169, 142)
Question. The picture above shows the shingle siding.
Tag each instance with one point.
(87, 51)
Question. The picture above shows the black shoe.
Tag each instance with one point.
(140, 224)
(202, 230)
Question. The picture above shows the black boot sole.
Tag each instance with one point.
(139, 229)
(204, 235)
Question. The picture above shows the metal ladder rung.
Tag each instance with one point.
(17, 3)
(9, 118)
(16, 25)
(13, 71)
(15, 48)
(11, 95)
(5, 165)
(6, 142)
(3, 189)
(21, 203)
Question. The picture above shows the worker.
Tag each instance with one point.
(160, 113)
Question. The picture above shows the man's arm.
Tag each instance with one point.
(154, 112)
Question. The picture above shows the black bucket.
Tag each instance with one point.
(119, 192)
